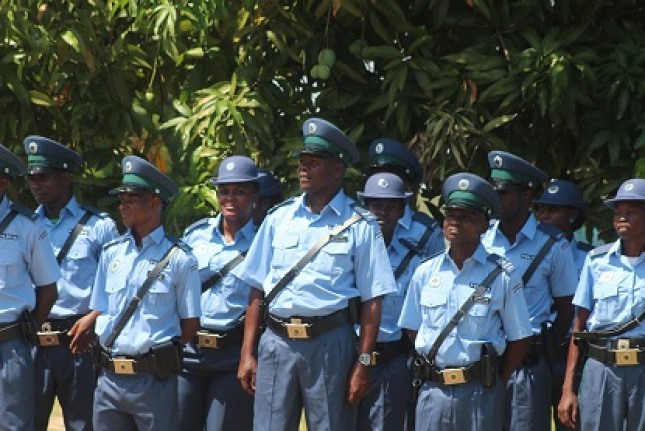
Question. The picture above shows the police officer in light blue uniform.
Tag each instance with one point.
(269, 195)
(460, 386)
(610, 294)
(137, 385)
(385, 405)
(562, 205)
(389, 155)
(60, 373)
(210, 396)
(307, 357)
(519, 237)
(26, 260)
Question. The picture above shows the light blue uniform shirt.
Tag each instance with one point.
(554, 277)
(579, 255)
(224, 303)
(26, 260)
(173, 296)
(438, 289)
(414, 230)
(392, 303)
(79, 266)
(353, 264)
(613, 289)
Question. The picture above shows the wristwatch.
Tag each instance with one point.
(365, 359)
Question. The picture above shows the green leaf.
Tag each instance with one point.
(41, 99)
(497, 122)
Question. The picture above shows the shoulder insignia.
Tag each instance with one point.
(432, 256)
(502, 262)
(600, 250)
(424, 219)
(364, 212)
(550, 230)
(24, 211)
(198, 223)
(281, 204)
(584, 246)
(179, 243)
(113, 242)
(97, 212)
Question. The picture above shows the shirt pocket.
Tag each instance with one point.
(159, 294)
(333, 259)
(285, 249)
(78, 255)
(9, 258)
(116, 293)
(434, 305)
(606, 300)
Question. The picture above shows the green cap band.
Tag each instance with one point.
(316, 144)
(462, 198)
(145, 183)
(513, 177)
(49, 161)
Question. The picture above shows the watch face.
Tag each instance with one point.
(365, 358)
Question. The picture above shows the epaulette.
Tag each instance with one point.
(424, 219)
(281, 204)
(502, 262)
(364, 212)
(600, 250)
(197, 224)
(550, 230)
(24, 211)
(431, 256)
(584, 246)
(179, 243)
(97, 212)
(113, 242)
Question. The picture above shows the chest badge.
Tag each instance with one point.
(114, 266)
(606, 276)
(435, 281)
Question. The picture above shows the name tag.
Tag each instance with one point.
(339, 238)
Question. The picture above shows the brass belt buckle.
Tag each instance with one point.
(123, 365)
(626, 356)
(209, 341)
(296, 329)
(47, 337)
(453, 376)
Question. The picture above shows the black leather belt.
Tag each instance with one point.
(54, 331)
(9, 331)
(385, 352)
(623, 355)
(307, 327)
(450, 376)
(210, 339)
(126, 364)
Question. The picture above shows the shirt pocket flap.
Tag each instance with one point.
(433, 297)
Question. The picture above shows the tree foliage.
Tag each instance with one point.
(560, 82)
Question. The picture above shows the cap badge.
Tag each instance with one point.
(497, 161)
(629, 187)
(463, 184)
(311, 129)
(128, 167)
(379, 148)
(64, 165)
(33, 147)
(553, 190)
(6, 170)
(383, 183)
(434, 281)
(230, 166)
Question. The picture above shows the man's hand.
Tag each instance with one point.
(82, 333)
(568, 409)
(359, 383)
(246, 373)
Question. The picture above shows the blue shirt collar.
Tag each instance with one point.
(72, 207)
(4, 204)
(155, 237)
(247, 232)
(336, 204)
(406, 220)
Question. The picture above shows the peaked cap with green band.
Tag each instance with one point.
(11, 165)
(140, 176)
(322, 138)
(509, 170)
(45, 155)
(469, 191)
(384, 152)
